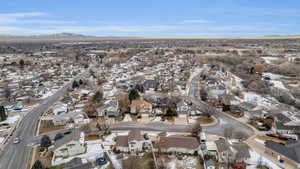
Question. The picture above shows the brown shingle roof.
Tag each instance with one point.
(177, 142)
(135, 135)
(122, 141)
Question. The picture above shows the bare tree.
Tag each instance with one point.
(240, 135)
(7, 92)
(228, 132)
(196, 128)
(103, 127)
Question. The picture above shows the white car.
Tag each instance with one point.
(16, 140)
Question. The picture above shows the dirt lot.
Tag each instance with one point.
(136, 162)
(48, 126)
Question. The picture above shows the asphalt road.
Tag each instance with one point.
(15, 156)
(223, 120)
(194, 94)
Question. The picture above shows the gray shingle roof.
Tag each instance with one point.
(282, 118)
(281, 126)
(222, 145)
(74, 135)
(291, 151)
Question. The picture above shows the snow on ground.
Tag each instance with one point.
(294, 85)
(116, 163)
(269, 60)
(272, 76)
(93, 150)
(109, 141)
(278, 84)
(11, 120)
(157, 119)
(256, 158)
(238, 82)
(127, 118)
(48, 94)
(187, 163)
(259, 141)
(171, 165)
(192, 119)
(259, 100)
(1, 140)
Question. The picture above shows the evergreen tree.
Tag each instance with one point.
(38, 165)
(171, 112)
(3, 115)
(46, 141)
(98, 96)
(133, 94)
(75, 84)
(22, 63)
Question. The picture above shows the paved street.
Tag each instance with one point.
(15, 156)
(217, 129)
(223, 120)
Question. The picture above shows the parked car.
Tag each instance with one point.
(58, 136)
(68, 132)
(16, 140)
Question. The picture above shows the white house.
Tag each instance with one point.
(69, 146)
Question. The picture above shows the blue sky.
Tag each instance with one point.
(151, 17)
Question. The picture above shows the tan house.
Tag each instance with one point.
(177, 144)
(232, 152)
(140, 106)
(133, 143)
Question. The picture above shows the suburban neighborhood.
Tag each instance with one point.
(195, 104)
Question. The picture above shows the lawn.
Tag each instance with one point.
(136, 162)
(205, 120)
(46, 159)
(48, 126)
(192, 162)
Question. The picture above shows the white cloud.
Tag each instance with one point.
(196, 21)
(27, 18)
(39, 23)
(29, 14)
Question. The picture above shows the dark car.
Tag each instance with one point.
(58, 136)
(67, 132)
(101, 160)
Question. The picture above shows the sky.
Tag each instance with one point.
(151, 17)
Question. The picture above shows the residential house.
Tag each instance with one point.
(76, 116)
(110, 109)
(150, 85)
(214, 88)
(223, 150)
(289, 152)
(69, 146)
(281, 128)
(133, 143)
(177, 144)
(60, 108)
(140, 106)
(183, 108)
(232, 152)
(78, 163)
(284, 125)
(209, 164)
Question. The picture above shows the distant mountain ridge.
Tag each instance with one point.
(46, 35)
(80, 37)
